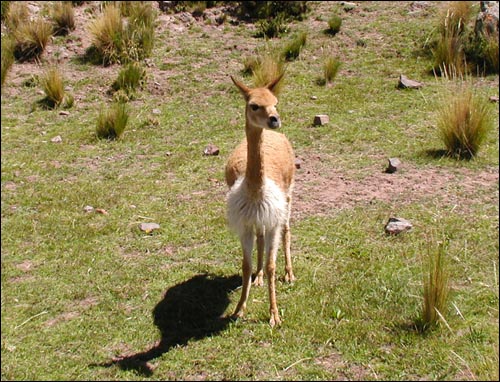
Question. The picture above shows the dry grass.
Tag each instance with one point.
(449, 51)
(7, 56)
(107, 33)
(111, 123)
(330, 69)
(463, 121)
(16, 15)
(436, 287)
(31, 38)
(53, 87)
(63, 16)
(266, 68)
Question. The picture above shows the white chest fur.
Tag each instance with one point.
(245, 212)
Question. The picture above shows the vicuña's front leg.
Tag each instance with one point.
(272, 243)
(247, 245)
(259, 276)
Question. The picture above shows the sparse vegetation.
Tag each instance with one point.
(464, 121)
(330, 69)
(53, 86)
(334, 24)
(17, 14)
(7, 56)
(113, 41)
(292, 49)
(111, 122)
(30, 39)
(436, 287)
(63, 17)
(130, 77)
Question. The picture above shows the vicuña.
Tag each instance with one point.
(260, 175)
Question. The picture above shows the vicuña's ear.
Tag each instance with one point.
(271, 86)
(245, 90)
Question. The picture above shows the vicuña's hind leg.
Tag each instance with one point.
(259, 276)
(247, 245)
(289, 276)
(272, 239)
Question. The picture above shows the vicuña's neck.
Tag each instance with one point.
(255, 162)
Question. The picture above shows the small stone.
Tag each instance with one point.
(397, 225)
(211, 150)
(157, 111)
(493, 99)
(88, 209)
(298, 163)
(56, 139)
(64, 112)
(394, 165)
(321, 119)
(314, 98)
(101, 211)
(149, 227)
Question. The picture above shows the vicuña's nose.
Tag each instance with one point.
(274, 122)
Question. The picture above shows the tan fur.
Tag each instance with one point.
(260, 175)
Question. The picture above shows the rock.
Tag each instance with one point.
(156, 111)
(394, 165)
(88, 209)
(348, 6)
(211, 150)
(101, 211)
(64, 112)
(314, 98)
(56, 139)
(149, 227)
(397, 225)
(321, 119)
(487, 20)
(493, 99)
(298, 163)
(406, 83)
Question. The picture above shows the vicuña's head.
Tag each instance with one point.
(260, 105)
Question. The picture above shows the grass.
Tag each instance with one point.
(52, 83)
(111, 123)
(334, 24)
(464, 121)
(292, 49)
(331, 67)
(130, 78)
(88, 296)
(63, 17)
(7, 57)
(30, 39)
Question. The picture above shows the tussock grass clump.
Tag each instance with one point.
(114, 41)
(107, 33)
(292, 50)
(334, 24)
(130, 78)
(63, 17)
(267, 67)
(436, 288)
(330, 69)
(4, 9)
(7, 56)
(450, 46)
(464, 120)
(31, 38)
(17, 14)
(272, 26)
(53, 86)
(111, 123)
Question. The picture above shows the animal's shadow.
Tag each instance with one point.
(190, 310)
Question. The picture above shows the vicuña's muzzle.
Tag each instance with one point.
(274, 122)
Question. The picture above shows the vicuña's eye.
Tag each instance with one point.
(254, 107)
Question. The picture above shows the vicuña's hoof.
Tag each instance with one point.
(275, 320)
(259, 280)
(289, 277)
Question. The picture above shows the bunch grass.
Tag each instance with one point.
(331, 67)
(31, 38)
(130, 77)
(63, 17)
(7, 56)
(111, 123)
(292, 49)
(464, 119)
(52, 83)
